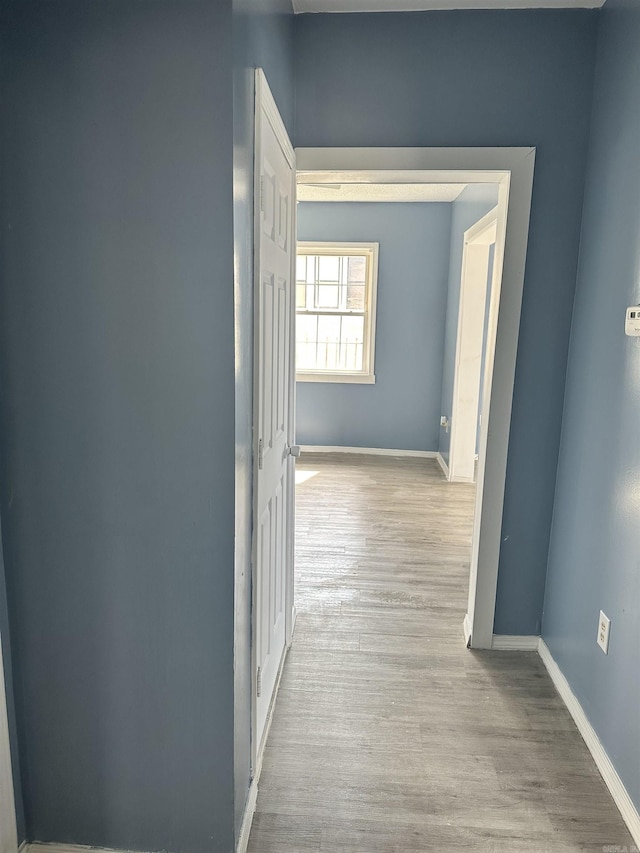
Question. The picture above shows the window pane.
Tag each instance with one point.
(305, 356)
(301, 268)
(355, 297)
(311, 269)
(357, 270)
(307, 327)
(301, 295)
(352, 342)
(330, 342)
(328, 296)
(328, 268)
(306, 341)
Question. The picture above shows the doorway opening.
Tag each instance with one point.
(342, 287)
(328, 175)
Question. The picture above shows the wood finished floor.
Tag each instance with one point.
(388, 735)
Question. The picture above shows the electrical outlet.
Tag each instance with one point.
(632, 321)
(604, 626)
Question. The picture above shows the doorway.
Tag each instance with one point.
(512, 171)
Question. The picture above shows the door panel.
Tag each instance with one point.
(281, 344)
(267, 337)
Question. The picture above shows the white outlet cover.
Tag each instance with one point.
(604, 625)
(632, 321)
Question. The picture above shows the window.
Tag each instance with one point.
(336, 311)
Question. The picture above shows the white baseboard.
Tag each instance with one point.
(367, 451)
(604, 764)
(47, 847)
(466, 627)
(442, 464)
(247, 817)
(515, 643)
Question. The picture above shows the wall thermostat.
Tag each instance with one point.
(632, 323)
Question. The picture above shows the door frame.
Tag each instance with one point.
(8, 827)
(487, 231)
(512, 169)
(265, 103)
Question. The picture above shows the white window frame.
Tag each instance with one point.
(366, 376)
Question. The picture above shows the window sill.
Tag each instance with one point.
(343, 378)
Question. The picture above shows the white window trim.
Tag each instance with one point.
(367, 375)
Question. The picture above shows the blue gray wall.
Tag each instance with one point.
(402, 409)
(117, 357)
(594, 560)
(5, 635)
(483, 79)
(262, 37)
(470, 206)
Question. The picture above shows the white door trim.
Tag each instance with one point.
(8, 829)
(265, 104)
(512, 170)
(478, 239)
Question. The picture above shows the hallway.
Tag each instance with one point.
(388, 735)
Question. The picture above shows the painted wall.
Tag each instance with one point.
(5, 637)
(480, 78)
(262, 37)
(401, 410)
(470, 206)
(593, 559)
(116, 367)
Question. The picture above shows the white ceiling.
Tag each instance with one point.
(379, 192)
(424, 5)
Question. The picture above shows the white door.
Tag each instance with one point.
(471, 344)
(8, 834)
(273, 400)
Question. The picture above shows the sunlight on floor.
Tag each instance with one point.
(303, 476)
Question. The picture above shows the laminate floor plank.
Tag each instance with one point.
(389, 736)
